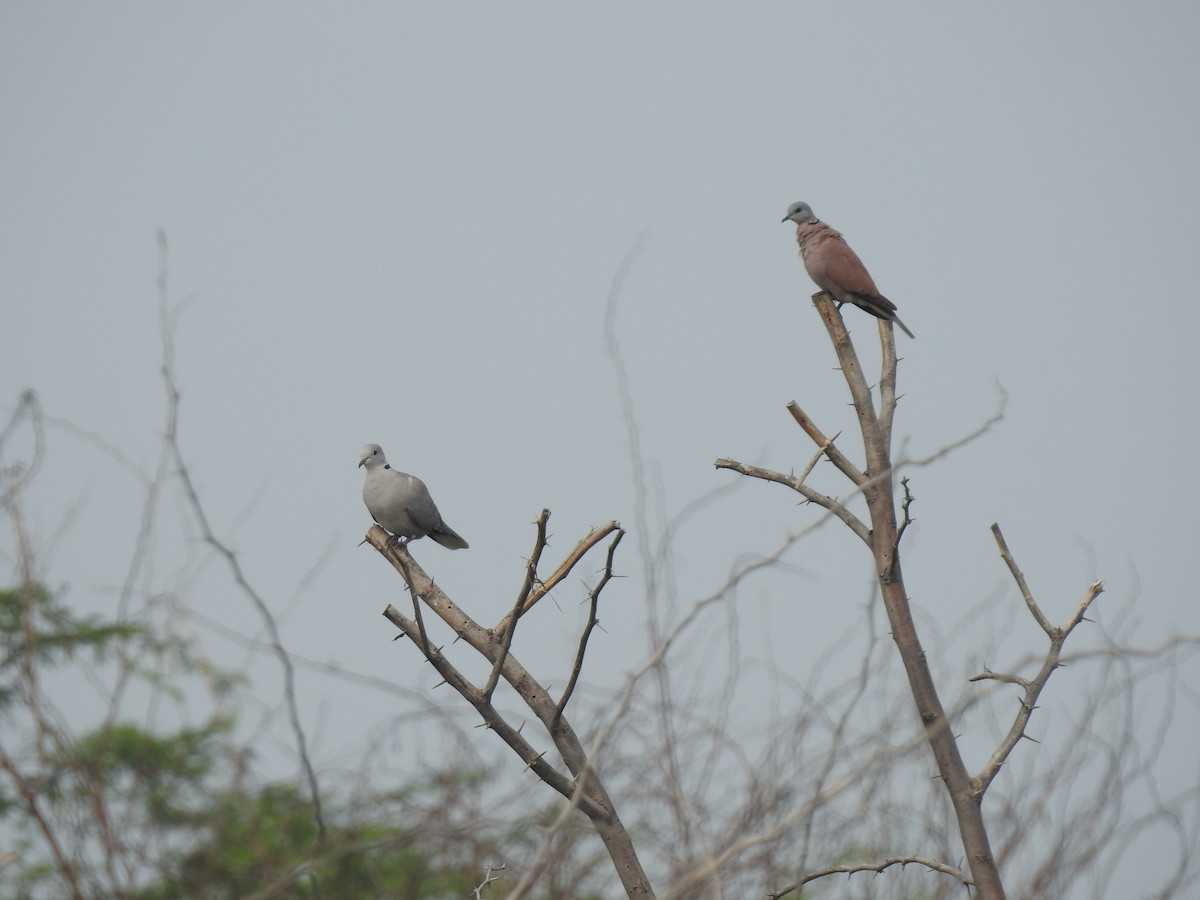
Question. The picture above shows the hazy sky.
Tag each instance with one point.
(399, 223)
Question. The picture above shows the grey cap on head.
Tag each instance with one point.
(798, 212)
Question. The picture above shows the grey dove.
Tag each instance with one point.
(836, 268)
(401, 503)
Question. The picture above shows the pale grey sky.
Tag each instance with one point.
(399, 222)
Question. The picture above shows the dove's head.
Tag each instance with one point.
(800, 213)
(371, 456)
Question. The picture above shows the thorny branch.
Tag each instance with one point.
(592, 622)
(583, 787)
(509, 626)
(533, 758)
(825, 445)
(875, 482)
(662, 647)
(1019, 578)
(1033, 687)
(490, 874)
(906, 507)
(853, 522)
(877, 867)
(590, 540)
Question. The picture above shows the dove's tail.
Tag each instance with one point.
(880, 307)
(449, 538)
(895, 318)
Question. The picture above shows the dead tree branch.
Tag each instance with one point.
(825, 445)
(586, 543)
(877, 867)
(580, 784)
(592, 622)
(875, 482)
(1033, 687)
(853, 522)
(509, 624)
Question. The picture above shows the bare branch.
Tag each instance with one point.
(825, 445)
(885, 545)
(1019, 578)
(852, 521)
(887, 381)
(988, 675)
(860, 393)
(590, 540)
(877, 867)
(488, 878)
(592, 621)
(510, 621)
(586, 791)
(1033, 688)
(540, 543)
(533, 758)
(905, 506)
(685, 886)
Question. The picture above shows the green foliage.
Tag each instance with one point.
(162, 813)
(161, 773)
(32, 623)
(247, 842)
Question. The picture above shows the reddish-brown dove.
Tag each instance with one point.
(836, 268)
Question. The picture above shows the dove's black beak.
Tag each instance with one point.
(362, 462)
(785, 218)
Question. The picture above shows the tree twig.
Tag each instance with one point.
(825, 444)
(586, 543)
(877, 867)
(853, 522)
(1033, 687)
(510, 621)
(584, 790)
(592, 621)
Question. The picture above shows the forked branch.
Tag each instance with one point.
(882, 535)
(579, 784)
(592, 621)
(1033, 687)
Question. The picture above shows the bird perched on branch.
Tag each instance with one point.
(836, 268)
(401, 503)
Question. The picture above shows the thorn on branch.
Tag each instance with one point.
(533, 762)
(905, 504)
(488, 878)
(878, 868)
